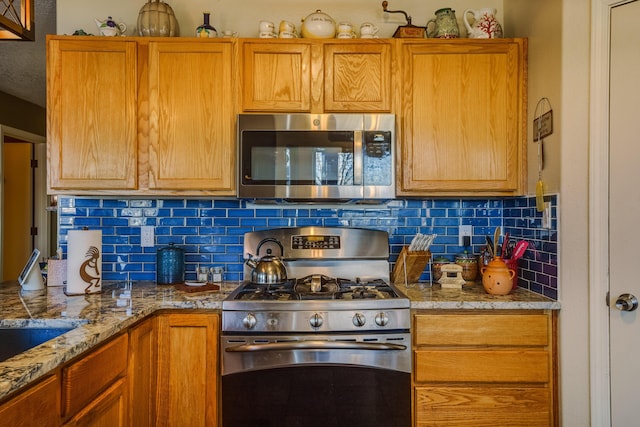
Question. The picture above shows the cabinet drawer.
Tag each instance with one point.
(482, 329)
(510, 366)
(482, 406)
(84, 379)
(40, 405)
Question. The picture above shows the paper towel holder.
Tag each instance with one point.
(30, 277)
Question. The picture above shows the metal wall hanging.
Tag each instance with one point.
(17, 20)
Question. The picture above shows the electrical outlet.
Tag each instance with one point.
(465, 230)
(546, 215)
(147, 236)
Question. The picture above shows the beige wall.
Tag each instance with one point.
(243, 16)
(558, 33)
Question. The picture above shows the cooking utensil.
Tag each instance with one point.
(489, 245)
(520, 249)
(505, 245)
(496, 236)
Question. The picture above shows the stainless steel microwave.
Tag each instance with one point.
(312, 157)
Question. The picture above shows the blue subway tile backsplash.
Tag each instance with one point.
(211, 231)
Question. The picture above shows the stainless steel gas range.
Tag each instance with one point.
(334, 330)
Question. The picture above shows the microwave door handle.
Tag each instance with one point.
(357, 157)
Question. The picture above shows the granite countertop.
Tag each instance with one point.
(98, 317)
(473, 296)
(95, 318)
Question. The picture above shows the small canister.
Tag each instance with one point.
(170, 265)
(217, 274)
(469, 264)
(436, 267)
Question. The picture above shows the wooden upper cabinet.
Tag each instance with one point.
(92, 114)
(463, 117)
(276, 76)
(316, 76)
(357, 76)
(191, 116)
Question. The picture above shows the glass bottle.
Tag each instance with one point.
(206, 30)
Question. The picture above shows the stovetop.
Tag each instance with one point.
(316, 288)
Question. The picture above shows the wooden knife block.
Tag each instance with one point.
(415, 263)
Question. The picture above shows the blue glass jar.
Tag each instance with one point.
(170, 265)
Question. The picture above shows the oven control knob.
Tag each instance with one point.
(316, 321)
(249, 321)
(359, 320)
(382, 319)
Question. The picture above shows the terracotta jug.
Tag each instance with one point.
(497, 278)
(485, 25)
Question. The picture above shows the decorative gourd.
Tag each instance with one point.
(156, 19)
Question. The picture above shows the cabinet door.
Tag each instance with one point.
(85, 379)
(191, 116)
(188, 370)
(38, 406)
(463, 107)
(357, 76)
(276, 76)
(109, 409)
(92, 114)
(143, 370)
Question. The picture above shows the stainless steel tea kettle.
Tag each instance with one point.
(269, 269)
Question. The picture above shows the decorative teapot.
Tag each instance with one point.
(110, 28)
(269, 269)
(318, 25)
(485, 25)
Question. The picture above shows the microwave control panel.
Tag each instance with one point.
(377, 143)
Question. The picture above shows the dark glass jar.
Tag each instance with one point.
(170, 265)
(436, 267)
(469, 264)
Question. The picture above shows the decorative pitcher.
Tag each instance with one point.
(485, 25)
(445, 25)
(110, 28)
(497, 277)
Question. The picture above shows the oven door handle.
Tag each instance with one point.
(316, 345)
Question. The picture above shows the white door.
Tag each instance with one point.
(624, 213)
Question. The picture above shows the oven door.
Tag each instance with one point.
(316, 381)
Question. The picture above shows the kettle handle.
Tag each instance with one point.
(269, 239)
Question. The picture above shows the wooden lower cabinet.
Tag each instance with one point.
(187, 369)
(37, 406)
(485, 369)
(142, 375)
(86, 379)
(108, 409)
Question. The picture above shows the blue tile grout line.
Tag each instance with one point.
(211, 230)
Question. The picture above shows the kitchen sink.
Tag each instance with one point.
(17, 340)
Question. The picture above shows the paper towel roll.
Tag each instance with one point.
(84, 262)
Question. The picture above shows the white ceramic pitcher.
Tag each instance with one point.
(485, 25)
